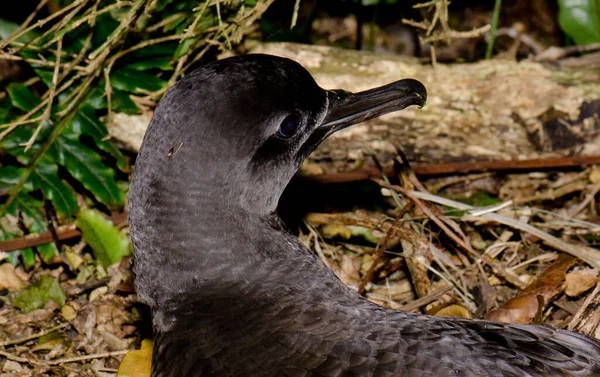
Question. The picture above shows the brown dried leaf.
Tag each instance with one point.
(346, 268)
(68, 312)
(587, 320)
(524, 307)
(579, 281)
(9, 279)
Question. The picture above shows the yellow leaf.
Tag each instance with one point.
(137, 363)
(68, 312)
(457, 311)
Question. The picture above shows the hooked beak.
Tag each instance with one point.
(345, 108)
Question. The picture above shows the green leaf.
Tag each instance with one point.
(45, 175)
(27, 255)
(184, 47)
(86, 166)
(5, 110)
(162, 49)
(173, 24)
(161, 63)
(162, 4)
(21, 97)
(86, 122)
(105, 25)
(12, 144)
(481, 199)
(35, 296)
(108, 243)
(45, 74)
(34, 220)
(121, 102)
(10, 176)
(580, 20)
(134, 81)
(9, 27)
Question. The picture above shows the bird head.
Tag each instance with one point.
(242, 126)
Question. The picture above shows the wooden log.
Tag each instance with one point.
(493, 110)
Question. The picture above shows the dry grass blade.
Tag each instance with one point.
(587, 254)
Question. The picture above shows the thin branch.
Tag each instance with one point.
(40, 23)
(453, 34)
(587, 254)
(34, 336)
(48, 111)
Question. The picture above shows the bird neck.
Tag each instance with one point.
(217, 252)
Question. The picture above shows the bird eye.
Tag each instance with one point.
(290, 125)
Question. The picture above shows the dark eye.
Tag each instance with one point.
(290, 125)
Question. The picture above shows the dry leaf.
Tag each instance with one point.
(595, 175)
(9, 279)
(524, 307)
(137, 363)
(456, 311)
(68, 312)
(335, 230)
(579, 281)
(346, 268)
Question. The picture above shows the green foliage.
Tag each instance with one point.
(108, 243)
(367, 3)
(35, 296)
(481, 199)
(87, 61)
(580, 20)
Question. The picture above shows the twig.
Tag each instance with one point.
(54, 28)
(588, 199)
(36, 61)
(116, 35)
(48, 111)
(587, 254)
(40, 23)
(62, 361)
(426, 299)
(62, 232)
(86, 357)
(381, 246)
(430, 170)
(189, 33)
(90, 17)
(18, 359)
(23, 119)
(217, 2)
(453, 34)
(34, 336)
(423, 25)
(431, 215)
(31, 16)
(317, 245)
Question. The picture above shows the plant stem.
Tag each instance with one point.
(495, 15)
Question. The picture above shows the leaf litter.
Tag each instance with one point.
(409, 253)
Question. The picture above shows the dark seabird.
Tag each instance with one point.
(233, 293)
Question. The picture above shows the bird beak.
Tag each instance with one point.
(345, 108)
